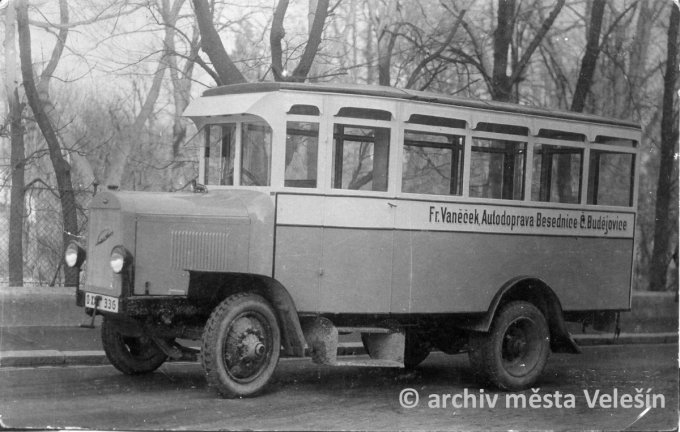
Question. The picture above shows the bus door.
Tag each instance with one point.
(358, 229)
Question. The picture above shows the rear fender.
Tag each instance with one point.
(538, 293)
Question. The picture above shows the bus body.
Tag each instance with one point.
(420, 221)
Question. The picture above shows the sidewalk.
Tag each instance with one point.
(60, 346)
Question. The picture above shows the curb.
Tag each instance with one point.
(37, 358)
(626, 338)
(51, 358)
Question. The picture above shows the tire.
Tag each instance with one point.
(241, 345)
(130, 355)
(416, 349)
(514, 352)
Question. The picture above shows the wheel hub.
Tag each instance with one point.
(521, 345)
(245, 348)
(253, 348)
(515, 345)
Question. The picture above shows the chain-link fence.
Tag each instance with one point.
(42, 236)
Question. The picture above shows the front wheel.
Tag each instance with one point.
(129, 354)
(514, 352)
(241, 345)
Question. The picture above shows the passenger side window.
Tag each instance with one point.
(302, 142)
(360, 157)
(497, 169)
(432, 163)
(557, 174)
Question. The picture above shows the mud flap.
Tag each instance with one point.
(322, 339)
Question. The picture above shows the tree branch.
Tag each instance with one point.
(213, 47)
(305, 64)
(524, 60)
(414, 75)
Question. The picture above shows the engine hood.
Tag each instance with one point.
(172, 234)
(231, 203)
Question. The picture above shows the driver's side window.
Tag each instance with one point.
(219, 154)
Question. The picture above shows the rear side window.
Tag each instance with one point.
(557, 174)
(610, 178)
(497, 169)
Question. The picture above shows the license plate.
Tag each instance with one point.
(106, 303)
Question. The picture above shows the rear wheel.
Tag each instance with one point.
(130, 355)
(514, 352)
(241, 345)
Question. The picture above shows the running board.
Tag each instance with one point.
(369, 363)
(385, 346)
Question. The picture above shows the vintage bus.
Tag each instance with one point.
(418, 221)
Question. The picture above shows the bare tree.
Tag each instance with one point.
(119, 159)
(62, 168)
(17, 156)
(500, 83)
(669, 139)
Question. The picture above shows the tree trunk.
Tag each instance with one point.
(17, 156)
(584, 82)
(589, 62)
(62, 169)
(276, 35)
(385, 48)
(314, 40)
(181, 92)
(669, 139)
(317, 18)
(16, 213)
(502, 82)
(501, 89)
(213, 47)
(311, 19)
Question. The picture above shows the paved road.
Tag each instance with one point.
(307, 396)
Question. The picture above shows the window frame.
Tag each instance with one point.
(633, 176)
(526, 175)
(304, 119)
(238, 150)
(583, 146)
(332, 174)
(457, 158)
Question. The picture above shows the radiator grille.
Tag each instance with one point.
(199, 250)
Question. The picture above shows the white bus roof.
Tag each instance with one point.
(257, 89)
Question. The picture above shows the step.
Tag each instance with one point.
(372, 330)
(369, 362)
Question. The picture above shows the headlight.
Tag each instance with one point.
(74, 256)
(120, 258)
